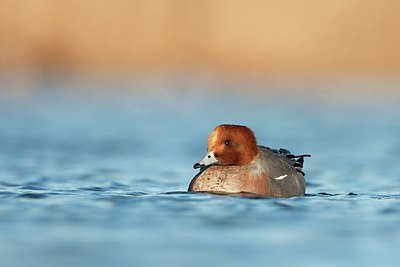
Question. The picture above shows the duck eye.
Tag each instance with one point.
(227, 142)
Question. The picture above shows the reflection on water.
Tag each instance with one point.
(101, 180)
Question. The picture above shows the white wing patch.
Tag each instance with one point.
(281, 177)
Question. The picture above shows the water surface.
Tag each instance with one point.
(100, 179)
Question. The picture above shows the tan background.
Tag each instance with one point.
(308, 36)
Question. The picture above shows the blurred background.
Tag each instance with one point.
(106, 105)
(343, 37)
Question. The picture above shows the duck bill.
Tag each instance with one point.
(207, 160)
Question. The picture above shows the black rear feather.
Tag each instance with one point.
(297, 160)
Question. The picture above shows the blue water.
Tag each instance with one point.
(95, 174)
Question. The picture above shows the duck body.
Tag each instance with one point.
(266, 172)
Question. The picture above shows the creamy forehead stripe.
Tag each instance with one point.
(213, 136)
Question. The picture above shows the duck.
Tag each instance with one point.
(235, 165)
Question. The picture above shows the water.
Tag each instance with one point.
(100, 179)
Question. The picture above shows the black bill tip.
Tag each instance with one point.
(197, 165)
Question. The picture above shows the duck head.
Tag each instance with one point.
(230, 145)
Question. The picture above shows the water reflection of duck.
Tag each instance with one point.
(234, 164)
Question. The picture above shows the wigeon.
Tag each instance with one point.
(235, 165)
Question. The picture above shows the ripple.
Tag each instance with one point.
(323, 194)
(391, 210)
(32, 195)
(382, 197)
(116, 185)
(93, 188)
(5, 194)
(176, 193)
(136, 194)
(32, 187)
(6, 184)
